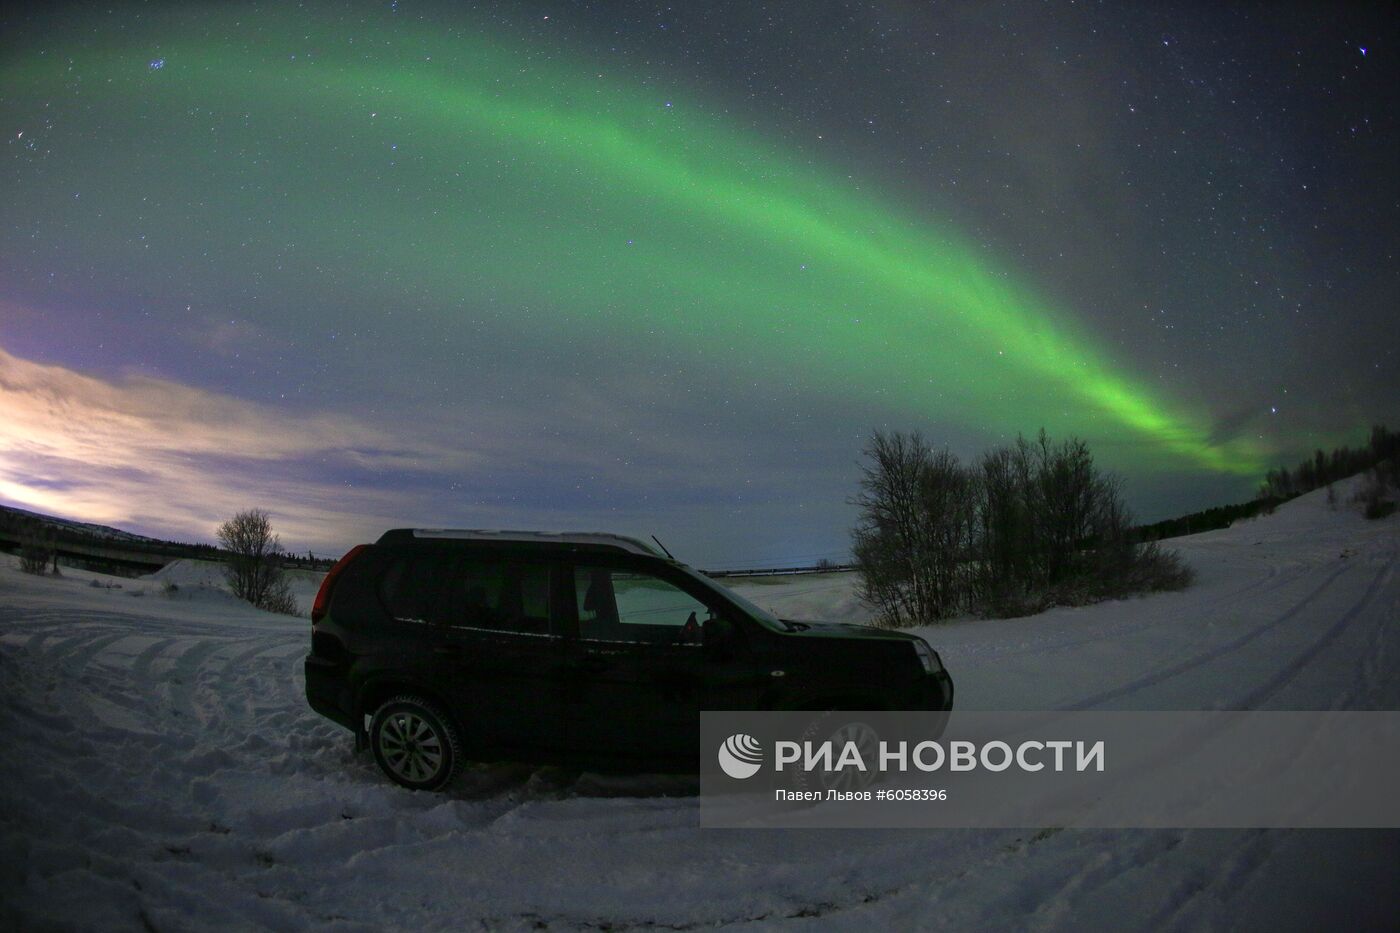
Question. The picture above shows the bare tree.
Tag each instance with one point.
(888, 541)
(1070, 500)
(253, 567)
(912, 533)
(1004, 539)
(948, 509)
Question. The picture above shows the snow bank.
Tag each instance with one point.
(208, 575)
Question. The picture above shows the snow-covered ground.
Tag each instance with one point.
(160, 770)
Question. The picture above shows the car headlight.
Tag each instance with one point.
(927, 657)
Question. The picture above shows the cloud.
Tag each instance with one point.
(160, 457)
(230, 338)
(177, 460)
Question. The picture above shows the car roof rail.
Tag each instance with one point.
(586, 538)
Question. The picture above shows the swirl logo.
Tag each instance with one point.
(741, 756)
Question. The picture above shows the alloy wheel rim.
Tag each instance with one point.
(866, 740)
(411, 747)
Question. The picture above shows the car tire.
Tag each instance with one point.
(415, 743)
(839, 728)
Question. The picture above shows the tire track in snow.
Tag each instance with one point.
(266, 666)
(1046, 644)
(242, 667)
(115, 673)
(1250, 852)
(184, 680)
(84, 646)
(1087, 880)
(143, 668)
(1297, 665)
(77, 651)
(1205, 657)
(1375, 686)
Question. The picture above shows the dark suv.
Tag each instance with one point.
(584, 649)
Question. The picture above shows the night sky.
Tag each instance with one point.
(662, 269)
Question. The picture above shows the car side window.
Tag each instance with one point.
(460, 592)
(620, 605)
(409, 587)
(499, 595)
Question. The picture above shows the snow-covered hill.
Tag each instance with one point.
(10, 514)
(160, 770)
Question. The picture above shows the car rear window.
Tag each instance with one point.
(468, 593)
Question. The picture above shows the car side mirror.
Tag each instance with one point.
(720, 637)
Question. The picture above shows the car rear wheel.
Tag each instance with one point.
(415, 743)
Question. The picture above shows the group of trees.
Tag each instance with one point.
(1027, 526)
(34, 541)
(1322, 469)
(1220, 516)
(38, 550)
(1380, 458)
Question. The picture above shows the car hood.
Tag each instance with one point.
(847, 630)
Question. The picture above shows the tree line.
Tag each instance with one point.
(1380, 457)
(1220, 516)
(1024, 527)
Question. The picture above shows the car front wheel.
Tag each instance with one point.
(838, 729)
(415, 743)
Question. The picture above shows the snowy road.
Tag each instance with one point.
(162, 771)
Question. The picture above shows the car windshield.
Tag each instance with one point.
(762, 615)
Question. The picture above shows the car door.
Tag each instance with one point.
(500, 652)
(640, 670)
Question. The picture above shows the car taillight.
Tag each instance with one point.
(323, 595)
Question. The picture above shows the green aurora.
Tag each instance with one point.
(435, 170)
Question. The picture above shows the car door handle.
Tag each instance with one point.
(450, 650)
(594, 665)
